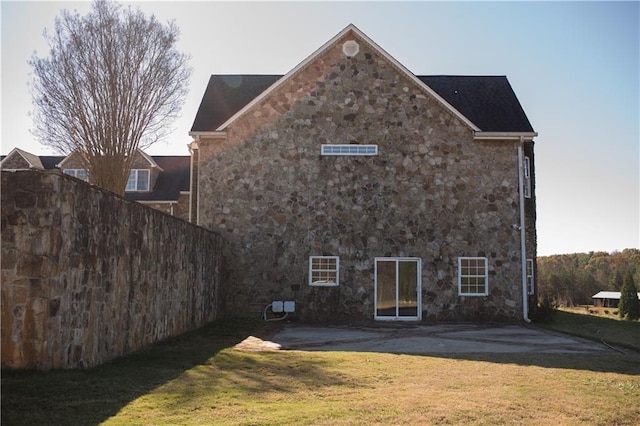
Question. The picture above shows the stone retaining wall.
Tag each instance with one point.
(88, 276)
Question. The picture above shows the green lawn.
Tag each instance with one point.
(200, 379)
(610, 329)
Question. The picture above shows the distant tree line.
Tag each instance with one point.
(571, 279)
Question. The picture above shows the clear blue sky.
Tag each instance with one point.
(574, 66)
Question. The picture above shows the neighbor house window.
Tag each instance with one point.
(530, 276)
(77, 173)
(324, 270)
(349, 149)
(527, 177)
(138, 180)
(473, 276)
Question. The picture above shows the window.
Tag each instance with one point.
(527, 177)
(473, 276)
(349, 149)
(324, 270)
(77, 173)
(530, 276)
(138, 180)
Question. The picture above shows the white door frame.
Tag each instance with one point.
(397, 261)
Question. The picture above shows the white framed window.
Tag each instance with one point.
(527, 177)
(348, 149)
(473, 276)
(530, 288)
(77, 173)
(324, 270)
(138, 180)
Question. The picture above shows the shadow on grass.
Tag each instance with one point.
(91, 396)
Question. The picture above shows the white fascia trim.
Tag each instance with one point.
(327, 45)
(505, 136)
(150, 160)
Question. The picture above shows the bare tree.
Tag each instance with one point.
(112, 84)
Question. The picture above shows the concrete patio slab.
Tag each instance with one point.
(425, 339)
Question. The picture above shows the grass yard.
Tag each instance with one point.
(578, 322)
(200, 379)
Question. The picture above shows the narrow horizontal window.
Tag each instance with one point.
(349, 149)
(473, 276)
(324, 270)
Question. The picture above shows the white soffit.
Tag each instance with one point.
(350, 28)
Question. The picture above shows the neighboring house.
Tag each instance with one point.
(608, 299)
(161, 182)
(362, 191)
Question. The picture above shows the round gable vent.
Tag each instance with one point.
(350, 48)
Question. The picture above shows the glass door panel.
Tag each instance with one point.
(386, 288)
(407, 288)
(397, 287)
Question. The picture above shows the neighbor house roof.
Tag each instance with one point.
(174, 176)
(174, 179)
(487, 101)
(609, 295)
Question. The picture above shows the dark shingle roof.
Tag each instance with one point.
(227, 94)
(487, 101)
(174, 178)
(171, 181)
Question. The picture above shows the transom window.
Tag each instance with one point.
(473, 276)
(138, 180)
(77, 173)
(530, 276)
(349, 149)
(324, 270)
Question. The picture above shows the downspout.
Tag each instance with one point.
(523, 234)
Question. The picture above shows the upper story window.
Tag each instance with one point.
(138, 180)
(527, 177)
(324, 270)
(348, 149)
(77, 173)
(473, 276)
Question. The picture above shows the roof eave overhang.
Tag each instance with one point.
(326, 46)
(504, 136)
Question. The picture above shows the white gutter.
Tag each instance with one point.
(196, 135)
(514, 136)
(523, 243)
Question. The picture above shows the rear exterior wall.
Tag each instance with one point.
(431, 192)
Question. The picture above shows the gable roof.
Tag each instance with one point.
(33, 161)
(489, 100)
(174, 176)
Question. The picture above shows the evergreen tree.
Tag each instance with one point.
(629, 307)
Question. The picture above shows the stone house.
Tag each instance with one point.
(361, 191)
(161, 182)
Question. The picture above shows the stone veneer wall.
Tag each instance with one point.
(88, 276)
(431, 192)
